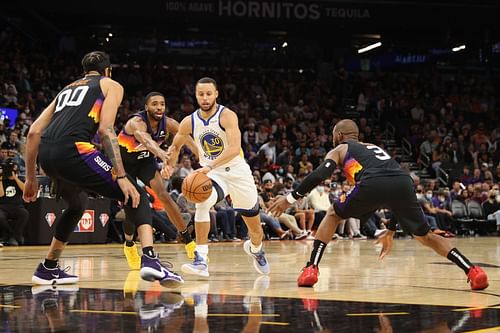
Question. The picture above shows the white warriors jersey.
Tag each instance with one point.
(210, 138)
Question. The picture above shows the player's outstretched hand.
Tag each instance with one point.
(386, 241)
(30, 189)
(278, 205)
(129, 191)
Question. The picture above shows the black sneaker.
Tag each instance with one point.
(48, 276)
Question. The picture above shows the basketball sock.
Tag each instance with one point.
(185, 236)
(317, 252)
(202, 251)
(50, 263)
(255, 248)
(149, 251)
(460, 260)
(129, 243)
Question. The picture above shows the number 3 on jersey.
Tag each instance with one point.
(71, 97)
(379, 153)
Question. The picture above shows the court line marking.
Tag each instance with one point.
(477, 308)
(491, 329)
(242, 315)
(378, 314)
(277, 323)
(105, 312)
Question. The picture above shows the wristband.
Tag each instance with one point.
(121, 177)
(290, 198)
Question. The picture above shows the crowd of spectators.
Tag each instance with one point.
(286, 118)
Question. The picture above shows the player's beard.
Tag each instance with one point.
(207, 109)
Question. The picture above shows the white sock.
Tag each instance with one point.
(255, 248)
(202, 250)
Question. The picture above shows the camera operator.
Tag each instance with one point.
(13, 214)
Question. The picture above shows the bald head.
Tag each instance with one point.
(345, 129)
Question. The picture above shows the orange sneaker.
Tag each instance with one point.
(477, 278)
(308, 277)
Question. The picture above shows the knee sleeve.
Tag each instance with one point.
(202, 213)
(140, 215)
(67, 222)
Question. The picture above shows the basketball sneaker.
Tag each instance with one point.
(190, 248)
(477, 278)
(132, 255)
(153, 270)
(198, 267)
(308, 277)
(48, 276)
(259, 258)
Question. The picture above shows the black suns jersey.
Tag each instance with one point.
(78, 108)
(364, 160)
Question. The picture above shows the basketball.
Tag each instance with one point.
(197, 187)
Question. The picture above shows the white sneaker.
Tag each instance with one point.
(302, 235)
(379, 232)
(259, 259)
(198, 267)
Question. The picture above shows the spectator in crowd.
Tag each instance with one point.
(186, 169)
(491, 207)
(13, 215)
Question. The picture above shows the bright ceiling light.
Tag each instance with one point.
(369, 47)
(458, 48)
(285, 44)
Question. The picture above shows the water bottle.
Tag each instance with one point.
(40, 190)
(47, 191)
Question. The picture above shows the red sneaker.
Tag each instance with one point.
(477, 278)
(308, 277)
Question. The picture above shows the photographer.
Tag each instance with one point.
(13, 214)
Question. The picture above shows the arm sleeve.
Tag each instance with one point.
(324, 171)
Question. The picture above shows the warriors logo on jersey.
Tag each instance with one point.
(212, 144)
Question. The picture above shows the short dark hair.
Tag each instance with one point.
(207, 79)
(95, 61)
(152, 94)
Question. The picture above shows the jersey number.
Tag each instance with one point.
(379, 153)
(71, 97)
(143, 154)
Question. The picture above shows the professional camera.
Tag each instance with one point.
(8, 167)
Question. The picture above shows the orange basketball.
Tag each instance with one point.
(197, 187)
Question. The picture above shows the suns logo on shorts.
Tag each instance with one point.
(212, 144)
(342, 198)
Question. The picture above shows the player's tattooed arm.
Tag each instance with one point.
(112, 150)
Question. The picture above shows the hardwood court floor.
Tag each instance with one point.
(356, 291)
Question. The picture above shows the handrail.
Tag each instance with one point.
(426, 160)
(390, 131)
(406, 147)
(443, 176)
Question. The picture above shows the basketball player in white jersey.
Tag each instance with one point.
(215, 131)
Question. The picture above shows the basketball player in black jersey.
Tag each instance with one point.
(379, 183)
(140, 140)
(61, 138)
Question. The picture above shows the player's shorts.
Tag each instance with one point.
(396, 193)
(140, 165)
(236, 181)
(80, 164)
